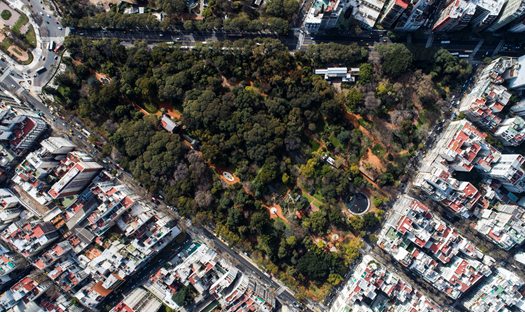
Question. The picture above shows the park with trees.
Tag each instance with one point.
(260, 113)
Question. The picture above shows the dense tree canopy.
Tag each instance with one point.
(261, 113)
(396, 59)
(450, 69)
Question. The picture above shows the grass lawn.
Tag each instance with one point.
(22, 20)
(313, 200)
(335, 141)
(31, 37)
(6, 43)
(315, 146)
(150, 108)
(6, 15)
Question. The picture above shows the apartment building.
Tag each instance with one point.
(513, 10)
(24, 291)
(511, 131)
(503, 225)
(484, 104)
(415, 16)
(75, 172)
(502, 293)
(324, 14)
(392, 12)
(428, 247)
(211, 276)
(374, 288)
(20, 132)
(367, 12)
(139, 300)
(455, 16)
(113, 202)
(460, 197)
(29, 238)
(10, 208)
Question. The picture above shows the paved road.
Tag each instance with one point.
(50, 29)
(188, 39)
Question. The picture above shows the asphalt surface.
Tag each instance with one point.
(50, 30)
(367, 38)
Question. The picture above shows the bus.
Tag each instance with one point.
(86, 132)
(41, 70)
(57, 49)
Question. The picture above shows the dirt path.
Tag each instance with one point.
(170, 111)
(354, 119)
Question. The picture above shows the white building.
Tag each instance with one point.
(499, 294)
(340, 73)
(513, 10)
(324, 14)
(511, 131)
(76, 173)
(516, 79)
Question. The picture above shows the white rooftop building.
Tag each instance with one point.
(341, 73)
(499, 294)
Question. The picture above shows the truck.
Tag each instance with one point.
(445, 42)
(51, 45)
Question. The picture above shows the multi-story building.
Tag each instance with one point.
(484, 104)
(392, 12)
(324, 14)
(428, 247)
(30, 237)
(509, 171)
(515, 78)
(10, 208)
(504, 225)
(455, 16)
(113, 266)
(502, 293)
(57, 146)
(519, 108)
(487, 11)
(511, 131)
(458, 14)
(373, 288)
(203, 269)
(18, 133)
(513, 10)
(460, 197)
(518, 27)
(367, 12)
(139, 300)
(114, 201)
(415, 16)
(9, 262)
(75, 172)
(463, 148)
(26, 290)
